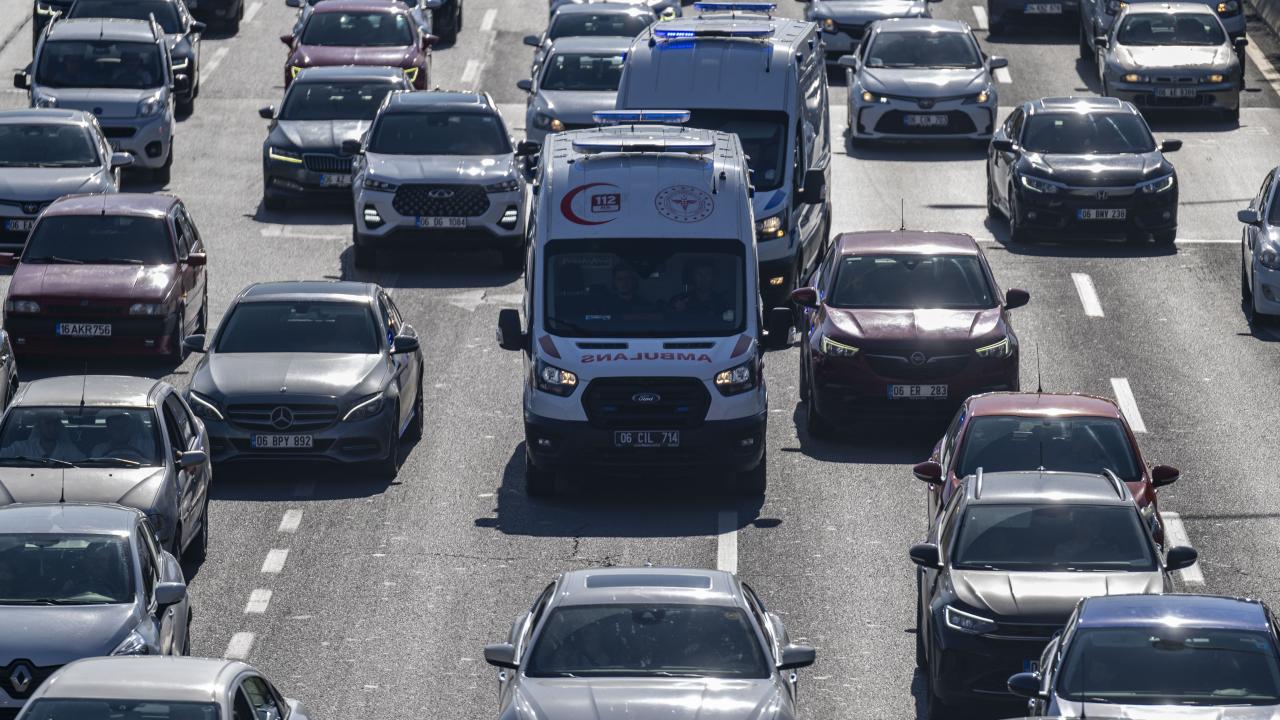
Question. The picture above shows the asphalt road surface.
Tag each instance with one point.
(373, 600)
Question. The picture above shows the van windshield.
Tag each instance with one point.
(100, 64)
(763, 136)
(641, 287)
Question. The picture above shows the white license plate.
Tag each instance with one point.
(335, 181)
(917, 392)
(646, 438)
(282, 442)
(442, 222)
(1102, 214)
(925, 120)
(1043, 9)
(1175, 92)
(19, 225)
(84, 329)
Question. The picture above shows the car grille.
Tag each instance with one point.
(681, 403)
(306, 417)
(38, 675)
(904, 368)
(441, 201)
(894, 123)
(1021, 631)
(97, 308)
(316, 162)
(118, 132)
(1150, 100)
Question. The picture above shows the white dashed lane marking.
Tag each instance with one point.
(274, 562)
(486, 23)
(1264, 66)
(1175, 534)
(1128, 405)
(258, 601)
(1088, 295)
(471, 72)
(1002, 76)
(239, 647)
(214, 62)
(290, 522)
(250, 11)
(980, 14)
(727, 541)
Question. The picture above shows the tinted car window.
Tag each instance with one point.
(334, 101)
(109, 239)
(598, 24)
(84, 436)
(1051, 537)
(1171, 29)
(638, 640)
(1063, 444)
(57, 709)
(1087, 133)
(165, 13)
(48, 569)
(300, 326)
(100, 64)
(47, 146)
(923, 49)
(358, 29)
(439, 133)
(952, 282)
(582, 72)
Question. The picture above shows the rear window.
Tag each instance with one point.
(100, 239)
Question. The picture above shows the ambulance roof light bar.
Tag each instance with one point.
(766, 8)
(631, 117)
(747, 32)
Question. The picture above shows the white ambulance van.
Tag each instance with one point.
(642, 315)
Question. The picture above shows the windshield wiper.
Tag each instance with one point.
(56, 259)
(48, 462)
(668, 673)
(109, 460)
(116, 260)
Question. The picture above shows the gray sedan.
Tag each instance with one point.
(660, 642)
(111, 439)
(579, 76)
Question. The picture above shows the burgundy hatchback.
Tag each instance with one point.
(361, 32)
(901, 324)
(108, 275)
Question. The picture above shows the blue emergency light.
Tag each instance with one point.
(627, 117)
(722, 31)
(756, 7)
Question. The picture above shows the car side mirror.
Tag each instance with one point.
(8, 259)
(928, 471)
(287, 39)
(21, 81)
(1171, 146)
(995, 62)
(1003, 145)
(813, 190)
(196, 259)
(429, 41)
(404, 344)
(528, 147)
(293, 3)
(795, 657)
(925, 555)
(1162, 475)
(193, 343)
(849, 61)
(1249, 216)
(192, 458)
(1241, 42)
(510, 335)
(778, 323)
(532, 40)
(1180, 557)
(1101, 42)
(805, 297)
(1025, 684)
(267, 113)
(1016, 298)
(121, 160)
(501, 655)
(525, 85)
(169, 593)
(198, 27)
(351, 147)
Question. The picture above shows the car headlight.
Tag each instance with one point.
(411, 74)
(150, 106)
(967, 623)
(1115, 6)
(366, 408)
(836, 349)
(1268, 256)
(981, 97)
(667, 13)
(1215, 78)
(736, 380)
(21, 306)
(380, 185)
(134, 644)
(280, 154)
(829, 25)
(1134, 78)
(511, 185)
(204, 407)
(294, 70)
(1230, 7)
(772, 227)
(146, 309)
(44, 101)
(1158, 185)
(1002, 349)
(544, 121)
(868, 96)
(549, 378)
(1038, 185)
(180, 64)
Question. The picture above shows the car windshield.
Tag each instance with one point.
(439, 133)
(358, 29)
(911, 282)
(647, 640)
(165, 13)
(1171, 665)
(63, 569)
(100, 64)
(582, 72)
(1006, 443)
(116, 709)
(1171, 29)
(334, 100)
(86, 436)
(651, 287)
(615, 24)
(36, 145)
(764, 141)
(100, 239)
(1087, 133)
(1052, 537)
(300, 326)
(923, 49)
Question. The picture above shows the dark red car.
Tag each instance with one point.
(1001, 432)
(361, 32)
(902, 324)
(108, 275)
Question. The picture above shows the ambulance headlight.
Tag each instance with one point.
(737, 379)
(551, 379)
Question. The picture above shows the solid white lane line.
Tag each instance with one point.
(1002, 76)
(274, 562)
(290, 522)
(980, 14)
(470, 73)
(1175, 534)
(1264, 66)
(1128, 406)
(258, 601)
(250, 11)
(486, 23)
(727, 541)
(1088, 296)
(214, 62)
(239, 647)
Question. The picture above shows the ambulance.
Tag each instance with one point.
(642, 329)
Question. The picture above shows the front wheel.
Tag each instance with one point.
(1232, 115)
(1017, 233)
(388, 467)
(922, 657)
(538, 482)
(364, 257)
(199, 546)
(513, 258)
(414, 431)
(177, 351)
(1086, 51)
(754, 482)
(164, 173)
(993, 212)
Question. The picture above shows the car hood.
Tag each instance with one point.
(45, 635)
(1141, 57)
(400, 56)
(135, 487)
(442, 168)
(112, 102)
(865, 11)
(318, 135)
(1098, 170)
(924, 82)
(896, 326)
(1046, 596)
(319, 374)
(45, 184)
(575, 106)
(1167, 712)
(645, 699)
(141, 283)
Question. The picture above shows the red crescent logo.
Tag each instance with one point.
(566, 205)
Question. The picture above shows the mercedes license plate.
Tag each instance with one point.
(1102, 214)
(917, 392)
(19, 225)
(340, 181)
(442, 222)
(646, 438)
(1175, 92)
(1043, 9)
(84, 329)
(925, 120)
(282, 442)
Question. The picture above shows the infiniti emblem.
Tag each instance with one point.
(440, 194)
(917, 358)
(281, 418)
(646, 398)
(20, 678)
(1102, 195)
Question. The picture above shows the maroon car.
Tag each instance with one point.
(901, 324)
(108, 275)
(1075, 433)
(361, 32)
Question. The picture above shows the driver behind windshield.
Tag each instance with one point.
(124, 439)
(48, 439)
(701, 298)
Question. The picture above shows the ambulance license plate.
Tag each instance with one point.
(646, 438)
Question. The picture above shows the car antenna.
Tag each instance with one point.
(1039, 385)
(84, 378)
(902, 214)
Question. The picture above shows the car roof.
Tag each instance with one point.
(336, 6)
(601, 8)
(591, 43)
(96, 390)
(922, 24)
(906, 242)
(1200, 611)
(1028, 404)
(1040, 486)
(1079, 105)
(52, 116)
(600, 586)
(438, 99)
(102, 29)
(1157, 8)
(139, 204)
(68, 518)
(333, 290)
(179, 679)
(325, 73)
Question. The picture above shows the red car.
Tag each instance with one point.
(108, 275)
(361, 32)
(902, 324)
(1057, 432)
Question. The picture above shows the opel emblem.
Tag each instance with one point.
(1102, 195)
(20, 678)
(917, 358)
(281, 418)
(440, 194)
(646, 398)
(31, 208)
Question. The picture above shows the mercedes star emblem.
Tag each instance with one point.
(281, 418)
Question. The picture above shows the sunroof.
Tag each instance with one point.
(696, 582)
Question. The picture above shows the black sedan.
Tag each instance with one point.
(1084, 166)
